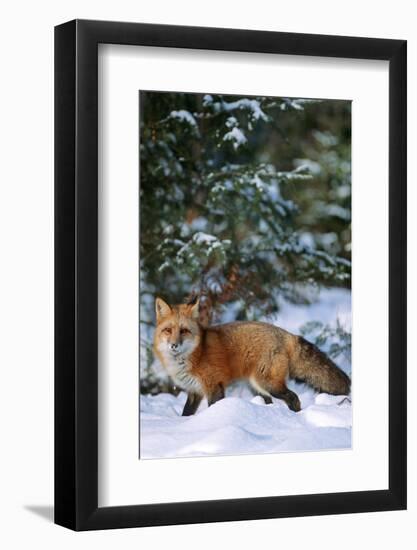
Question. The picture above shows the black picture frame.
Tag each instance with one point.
(76, 271)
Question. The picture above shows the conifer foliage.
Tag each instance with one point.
(244, 201)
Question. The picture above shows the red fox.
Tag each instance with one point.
(203, 361)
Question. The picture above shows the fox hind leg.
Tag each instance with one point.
(280, 391)
(290, 398)
(271, 381)
(256, 390)
(259, 390)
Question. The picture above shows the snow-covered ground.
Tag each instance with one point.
(241, 423)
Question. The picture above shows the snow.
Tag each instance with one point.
(183, 116)
(312, 166)
(231, 122)
(332, 304)
(251, 105)
(236, 136)
(296, 104)
(242, 423)
(203, 238)
(338, 212)
(299, 173)
(326, 139)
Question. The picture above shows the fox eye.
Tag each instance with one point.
(184, 331)
(167, 330)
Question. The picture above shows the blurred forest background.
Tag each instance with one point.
(246, 202)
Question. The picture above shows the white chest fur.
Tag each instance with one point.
(178, 370)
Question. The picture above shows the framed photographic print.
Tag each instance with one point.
(230, 275)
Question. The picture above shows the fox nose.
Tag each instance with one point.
(174, 346)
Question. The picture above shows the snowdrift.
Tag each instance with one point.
(243, 425)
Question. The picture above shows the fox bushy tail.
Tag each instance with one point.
(311, 365)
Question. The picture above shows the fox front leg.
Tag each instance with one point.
(192, 403)
(215, 395)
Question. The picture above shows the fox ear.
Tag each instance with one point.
(195, 309)
(162, 309)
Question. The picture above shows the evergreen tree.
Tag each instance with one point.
(243, 200)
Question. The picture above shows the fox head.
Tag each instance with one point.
(177, 331)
